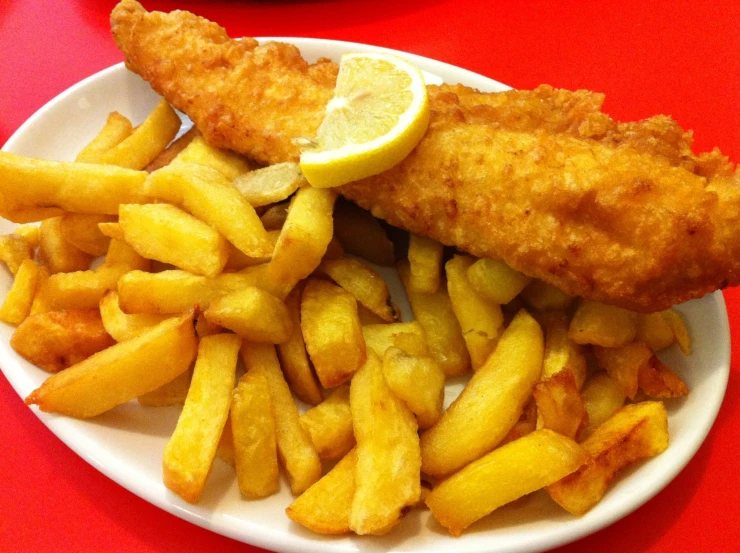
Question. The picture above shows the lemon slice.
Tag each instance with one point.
(378, 115)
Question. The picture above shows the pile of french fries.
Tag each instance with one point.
(226, 289)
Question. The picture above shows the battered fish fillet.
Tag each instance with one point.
(622, 213)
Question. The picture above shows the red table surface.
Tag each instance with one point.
(677, 58)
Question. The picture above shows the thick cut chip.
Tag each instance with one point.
(35, 189)
(121, 254)
(654, 331)
(416, 380)
(78, 290)
(17, 304)
(165, 233)
(82, 231)
(225, 449)
(56, 340)
(361, 234)
(189, 454)
(229, 164)
(560, 405)
(56, 253)
(294, 357)
(39, 304)
(657, 380)
(490, 404)
(562, 353)
(173, 150)
(253, 314)
(545, 297)
(526, 424)
(274, 217)
(32, 233)
(209, 196)
(331, 329)
(116, 129)
(122, 326)
(325, 507)
(496, 281)
(504, 475)
(255, 444)
(480, 319)
(271, 184)
(295, 448)
(364, 283)
(623, 364)
(602, 325)
(174, 392)
(602, 397)
(437, 317)
(121, 372)
(380, 337)
(680, 331)
(14, 250)
(330, 425)
(304, 237)
(425, 264)
(633, 433)
(387, 476)
(238, 260)
(146, 142)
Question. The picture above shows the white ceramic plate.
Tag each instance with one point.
(127, 443)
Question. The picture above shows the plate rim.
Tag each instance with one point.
(272, 539)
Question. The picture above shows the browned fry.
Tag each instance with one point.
(657, 380)
(168, 154)
(560, 405)
(361, 234)
(56, 253)
(633, 433)
(654, 331)
(330, 424)
(527, 423)
(603, 325)
(623, 364)
(56, 340)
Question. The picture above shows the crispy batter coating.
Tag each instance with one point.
(623, 213)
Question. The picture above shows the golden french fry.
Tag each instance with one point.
(361, 234)
(14, 250)
(654, 331)
(209, 196)
(481, 320)
(40, 303)
(190, 452)
(496, 281)
(304, 237)
(416, 380)
(544, 296)
(388, 457)
(146, 142)
(502, 476)
(330, 425)
(81, 230)
(122, 326)
(560, 405)
(602, 325)
(32, 233)
(121, 254)
(602, 397)
(633, 433)
(172, 151)
(173, 393)
(274, 217)
(325, 507)
(562, 353)
(493, 400)
(294, 357)
(121, 372)
(205, 328)
(678, 326)
(229, 164)
(657, 380)
(56, 340)
(526, 424)
(437, 317)
(425, 264)
(253, 314)
(332, 332)
(225, 449)
(165, 233)
(295, 448)
(116, 129)
(364, 283)
(380, 337)
(623, 364)
(78, 290)
(238, 260)
(56, 253)
(17, 304)
(367, 317)
(271, 184)
(255, 444)
(38, 189)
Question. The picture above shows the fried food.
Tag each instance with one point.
(622, 213)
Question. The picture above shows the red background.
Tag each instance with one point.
(678, 58)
